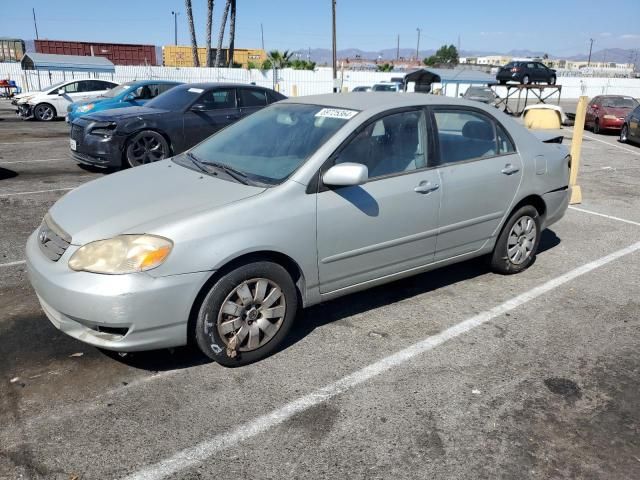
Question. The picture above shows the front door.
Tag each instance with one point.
(389, 224)
(214, 110)
(480, 172)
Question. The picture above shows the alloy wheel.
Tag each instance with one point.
(522, 239)
(145, 148)
(624, 134)
(44, 113)
(251, 314)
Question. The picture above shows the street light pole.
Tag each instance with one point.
(175, 27)
(418, 46)
(590, 49)
(335, 58)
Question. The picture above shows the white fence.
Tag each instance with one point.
(295, 82)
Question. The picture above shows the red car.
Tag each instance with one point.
(607, 112)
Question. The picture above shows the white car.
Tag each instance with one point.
(52, 102)
(387, 87)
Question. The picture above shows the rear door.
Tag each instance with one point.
(480, 172)
(214, 110)
(251, 100)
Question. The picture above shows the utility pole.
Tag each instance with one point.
(458, 44)
(398, 49)
(175, 27)
(418, 46)
(590, 49)
(262, 36)
(35, 25)
(335, 58)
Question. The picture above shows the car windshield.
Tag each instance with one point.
(385, 88)
(271, 144)
(619, 102)
(177, 98)
(114, 92)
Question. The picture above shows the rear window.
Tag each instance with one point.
(619, 102)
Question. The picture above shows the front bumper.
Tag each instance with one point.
(116, 312)
(96, 150)
(24, 111)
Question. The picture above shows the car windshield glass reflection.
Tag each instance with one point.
(114, 92)
(619, 102)
(177, 98)
(271, 144)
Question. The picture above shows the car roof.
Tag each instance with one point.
(376, 100)
(220, 84)
(144, 82)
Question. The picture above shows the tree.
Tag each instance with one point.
(445, 55)
(302, 65)
(225, 14)
(209, 27)
(192, 30)
(385, 67)
(279, 59)
(232, 31)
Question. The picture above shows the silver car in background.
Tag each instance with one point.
(307, 200)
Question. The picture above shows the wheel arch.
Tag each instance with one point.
(536, 201)
(279, 258)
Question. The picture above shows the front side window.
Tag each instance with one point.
(73, 87)
(271, 144)
(464, 135)
(390, 145)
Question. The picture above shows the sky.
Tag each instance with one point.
(562, 29)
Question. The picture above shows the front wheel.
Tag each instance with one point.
(44, 112)
(516, 247)
(246, 314)
(552, 81)
(624, 134)
(526, 80)
(146, 147)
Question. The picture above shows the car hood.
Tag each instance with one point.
(122, 113)
(617, 111)
(142, 199)
(95, 100)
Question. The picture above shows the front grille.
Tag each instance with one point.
(52, 239)
(76, 132)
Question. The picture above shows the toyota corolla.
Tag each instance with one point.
(306, 200)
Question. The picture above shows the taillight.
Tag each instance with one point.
(515, 69)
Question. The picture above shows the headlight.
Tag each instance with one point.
(122, 254)
(610, 117)
(86, 108)
(104, 130)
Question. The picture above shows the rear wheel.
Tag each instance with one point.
(44, 112)
(526, 80)
(146, 147)
(503, 82)
(246, 314)
(624, 134)
(516, 247)
(552, 81)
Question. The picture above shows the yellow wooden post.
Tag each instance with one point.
(576, 149)
(294, 90)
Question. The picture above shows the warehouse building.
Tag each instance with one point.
(181, 56)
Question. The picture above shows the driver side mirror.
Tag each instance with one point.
(198, 107)
(61, 92)
(346, 174)
(130, 97)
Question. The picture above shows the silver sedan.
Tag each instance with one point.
(307, 200)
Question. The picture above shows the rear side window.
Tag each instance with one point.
(465, 135)
(219, 99)
(252, 98)
(505, 145)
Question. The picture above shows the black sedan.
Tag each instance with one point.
(526, 73)
(167, 125)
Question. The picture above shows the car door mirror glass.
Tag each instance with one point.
(129, 97)
(61, 91)
(346, 174)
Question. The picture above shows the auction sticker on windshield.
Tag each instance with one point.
(195, 90)
(336, 113)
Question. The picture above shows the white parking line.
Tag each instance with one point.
(191, 457)
(36, 191)
(635, 152)
(577, 209)
(32, 141)
(12, 264)
(33, 161)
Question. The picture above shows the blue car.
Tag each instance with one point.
(128, 94)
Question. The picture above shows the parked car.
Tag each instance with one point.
(630, 131)
(52, 102)
(480, 94)
(167, 125)
(306, 200)
(526, 73)
(362, 89)
(608, 112)
(387, 87)
(130, 94)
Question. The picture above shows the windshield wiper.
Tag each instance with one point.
(197, 162)
(232, 172)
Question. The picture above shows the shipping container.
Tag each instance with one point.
(181, 56)
(11, 49)
(118, 53)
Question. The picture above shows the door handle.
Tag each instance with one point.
(510, 169)
(426, 187)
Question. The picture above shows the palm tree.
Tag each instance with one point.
(232, 31)
(221, 34)
(280, 59)
(209, 27)
(194, 43)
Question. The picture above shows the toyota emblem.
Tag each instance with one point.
(43, 237)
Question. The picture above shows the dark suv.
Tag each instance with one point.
(526, 73)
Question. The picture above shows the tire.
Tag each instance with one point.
(522, 233)
(144, 147)
(503, 82)
(44, 112)
(223, 314)
(624, 134)
(596, 126)
(552, 81)
(526, 80)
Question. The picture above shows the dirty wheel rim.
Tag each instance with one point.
(146, 148)
(251, 314)
(43, 112)
(623, 134)
(525, 80)
(522, 239)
